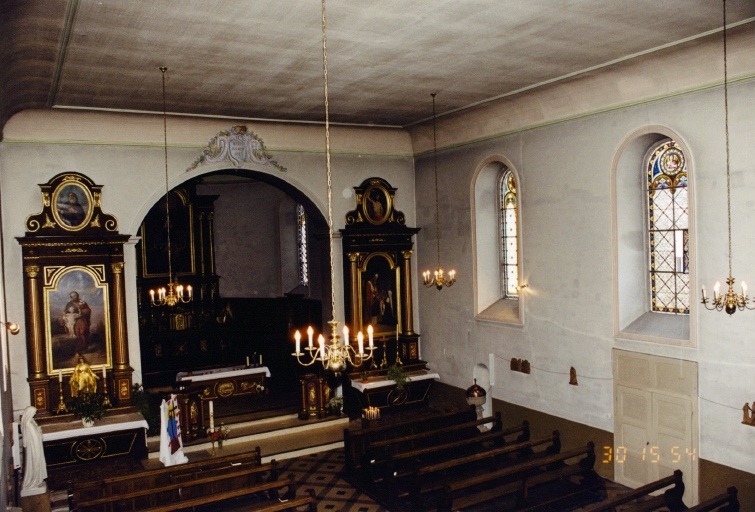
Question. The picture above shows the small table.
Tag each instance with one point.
(112, 436)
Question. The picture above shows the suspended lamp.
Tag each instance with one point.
(334, 356)
(438, 277)
(173, 292)
(730, 301)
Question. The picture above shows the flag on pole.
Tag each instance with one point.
(171, 446)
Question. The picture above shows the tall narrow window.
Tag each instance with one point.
(668, 229)
(301, 244)
(507, 205)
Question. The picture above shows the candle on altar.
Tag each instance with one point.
(260, 359)
(212, 417)
(60, 376)
(247, 359)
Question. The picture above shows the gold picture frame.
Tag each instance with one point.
(72, 205)
(379, 297)
(377, 203)
(76, 306)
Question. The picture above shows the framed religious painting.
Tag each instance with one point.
(380, 303)
(153, 245)
(77, 317)
(376, 203)
(72, 205)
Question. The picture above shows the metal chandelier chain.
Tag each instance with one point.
(163, 69)
(435, 171)
(726, 131)
(327, 159)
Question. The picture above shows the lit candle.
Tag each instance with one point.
(297, 337)
(345, 335)
(152, 296)
(744, 288)
(212, 417)
(188, 289)
(321, 342)
(716, 290)
(310, 333)
(360, 342)
(369, 335)
(180, 290)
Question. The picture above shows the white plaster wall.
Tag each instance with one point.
(124, 153)
(564, 171)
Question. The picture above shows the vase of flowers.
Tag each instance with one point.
(87, 406)
(218, 435)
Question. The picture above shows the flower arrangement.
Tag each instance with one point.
(87, 406)
(398, 375)
(335, 404)
(219, 435)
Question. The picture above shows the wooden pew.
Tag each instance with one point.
(203, 490)
(292, 505)
(398, 461)
(726, 502)
(671, 498)
(355, 441)
(418, 482)
(151, 478)
(527, 482)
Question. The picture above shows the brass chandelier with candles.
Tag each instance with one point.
(173, 293)
(335, 356)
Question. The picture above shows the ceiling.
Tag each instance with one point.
(262, 59)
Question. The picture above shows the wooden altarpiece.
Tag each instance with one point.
(72, 251)
(377, 249)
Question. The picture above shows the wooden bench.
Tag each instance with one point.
(155, 477)
(726, 502)
(461, 442)
(641, 497)
(534, 484)
(356, 441)
(203, 490)
(416, 481)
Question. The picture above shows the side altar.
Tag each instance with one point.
(114, 435)
(207, 394)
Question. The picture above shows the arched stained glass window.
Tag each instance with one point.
(301, 244)
(507, 205)
(668, 229)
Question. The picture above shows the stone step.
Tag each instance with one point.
(279, 437)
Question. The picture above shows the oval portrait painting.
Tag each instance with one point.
(72, 206)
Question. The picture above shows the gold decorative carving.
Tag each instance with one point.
(225, 389)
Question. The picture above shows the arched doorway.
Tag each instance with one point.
(235, 239)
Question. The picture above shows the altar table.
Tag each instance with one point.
(111, 436)
(382, 393)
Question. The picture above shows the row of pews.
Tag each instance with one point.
(449, 463)
(225, 479)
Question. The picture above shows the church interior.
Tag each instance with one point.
(528, 217)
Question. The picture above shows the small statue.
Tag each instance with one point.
(83, 378)
(35, 467)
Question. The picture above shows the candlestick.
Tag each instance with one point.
(104, 373)
(247, 358)
(212, 417)
(60, 376)
(106, 401)
(61, 404)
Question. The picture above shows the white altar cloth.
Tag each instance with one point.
(219, 373)
(363, 386)
(108, 423)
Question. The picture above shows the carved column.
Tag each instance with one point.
(121, 369)
(408, 321)
(356, 314)
(35, 344)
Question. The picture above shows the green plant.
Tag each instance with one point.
(148, 405)
(335, 404)
(87, 406)
(398, 375)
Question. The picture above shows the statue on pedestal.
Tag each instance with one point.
(83, 378)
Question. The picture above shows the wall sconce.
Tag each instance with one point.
(12, 327)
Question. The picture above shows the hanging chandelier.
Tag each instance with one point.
(438, 277)
(730, 301)
(334, 355)
(173, 293)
